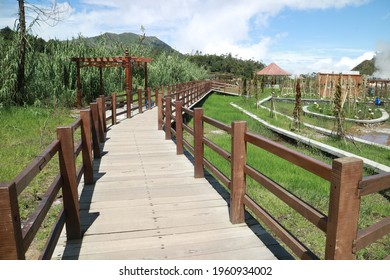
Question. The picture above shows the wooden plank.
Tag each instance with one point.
(182, 217)
(11, 242)
(238, 181)
(374, 183)
(344, 205)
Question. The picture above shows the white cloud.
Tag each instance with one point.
(210, 26)
(315, 61)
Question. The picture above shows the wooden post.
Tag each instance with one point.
(198, 143)
(104, 115)
(149, 98)
(78, 84)
(69, 189)
(179, 127)
(156, 93)
(101, 91)
(11, 241)
(146, 74)
(100, 120)
(128, 84)
(344, 204)
(168, 117)
(86, 139)
(95, 130)
(139, 101)
(160, 111)
(113, 109)
(238, 183)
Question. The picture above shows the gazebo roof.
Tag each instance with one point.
(273, 70)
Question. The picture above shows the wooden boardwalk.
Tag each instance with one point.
(146, 204)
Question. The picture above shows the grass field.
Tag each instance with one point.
(301, 183)
(26, 132)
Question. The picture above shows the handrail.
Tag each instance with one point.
(345, 177)
(17, 242)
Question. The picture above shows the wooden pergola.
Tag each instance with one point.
(104, 62)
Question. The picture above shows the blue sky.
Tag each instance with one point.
(302, 36)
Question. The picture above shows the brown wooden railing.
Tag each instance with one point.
(16, 236)
(347, 185)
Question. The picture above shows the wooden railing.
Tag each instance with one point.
(345, 175)
(16, 235)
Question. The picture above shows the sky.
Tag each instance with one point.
(301, 36)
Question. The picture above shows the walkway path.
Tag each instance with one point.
(146, 204)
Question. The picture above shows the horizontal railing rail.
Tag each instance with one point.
(16, 236)
(347, 185)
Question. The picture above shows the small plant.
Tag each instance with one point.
(298, 107)
(338, 112)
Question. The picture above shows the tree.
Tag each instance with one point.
(50, 16)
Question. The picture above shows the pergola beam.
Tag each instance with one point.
(104, 62)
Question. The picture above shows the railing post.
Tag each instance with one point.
(139, 101)
(104, 115)
(179, 127)
(198, 143)
(149, 99)
(344, 204)
(95, 130)
(159, 112)
(86, 139)
(168, 117)
(100, 120)
(113, 108)
(69, 189)
(156, 94)
(238, 182)
(128, 104)
(11, 241)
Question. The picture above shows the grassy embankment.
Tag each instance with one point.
(303, 184)
(25, 133)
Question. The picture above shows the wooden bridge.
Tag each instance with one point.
(139, 195)
(146, 204)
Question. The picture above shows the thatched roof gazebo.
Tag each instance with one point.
(273, 70)
(276, 73)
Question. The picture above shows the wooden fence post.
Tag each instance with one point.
(103, 112)
(238, 182)
(160, 112)
(113, 108)
(69, 189)
(149, 99)
(100, 120)
(139, 101)
(168, 117)
(95, 130)
(86, 139)
(11, 241)
(179, 127)
(198, 143)
(344, 204)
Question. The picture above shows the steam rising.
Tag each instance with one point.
(382, 61)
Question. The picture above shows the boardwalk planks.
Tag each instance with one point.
(146, 204)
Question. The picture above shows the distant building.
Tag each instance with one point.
(327, 81)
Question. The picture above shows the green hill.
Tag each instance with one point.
(128, 39)
(366, 67)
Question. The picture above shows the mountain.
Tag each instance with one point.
(128, 39)
(366, 67)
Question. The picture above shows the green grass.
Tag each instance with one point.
(374, 153)
(301, 183)
(26, 132)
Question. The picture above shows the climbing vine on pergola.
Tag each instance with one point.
(104, 62)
